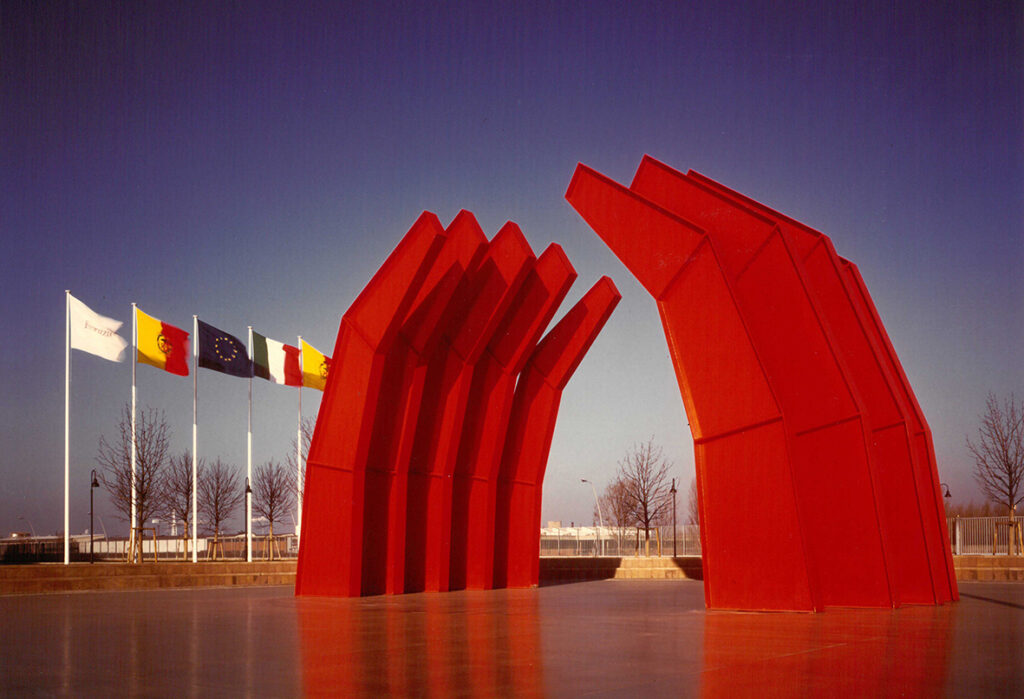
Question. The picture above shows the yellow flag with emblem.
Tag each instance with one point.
(315, 367)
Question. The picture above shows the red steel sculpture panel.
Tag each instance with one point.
(530, 431)
(485, 301)
(799, 410)
(837, 477)
(421, 397)
(910, 483)
(921, 434)
(399, 403)
(742, 449)
(330, 559)
(487, 414)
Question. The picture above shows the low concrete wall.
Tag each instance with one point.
(56, 577)
(556, 570)
(989, 568)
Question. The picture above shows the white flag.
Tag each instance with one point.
(95, 334)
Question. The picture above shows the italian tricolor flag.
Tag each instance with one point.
(275, 361)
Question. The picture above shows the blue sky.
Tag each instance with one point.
(254, 164)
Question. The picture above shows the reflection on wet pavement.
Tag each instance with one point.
(607, 638)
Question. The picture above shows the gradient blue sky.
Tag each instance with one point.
(254, 164)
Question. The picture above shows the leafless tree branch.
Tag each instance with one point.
(645, 475)
(273, 489)
(152, 436)
(219, 494)
(178, 489)
(999, 451)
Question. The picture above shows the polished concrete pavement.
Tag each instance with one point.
(605, 638)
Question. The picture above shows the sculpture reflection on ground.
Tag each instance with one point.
(436, 645)
(847, 652)
(608, 638)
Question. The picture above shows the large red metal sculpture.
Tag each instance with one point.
(399, 403)
(531, 428)
(486, 299)
(924, 563)
(487, 415)
(789, 399)
(330, 559)
(403, 473)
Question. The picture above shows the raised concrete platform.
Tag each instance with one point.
(595, 639)
(989, 568)
(77, 577)
(555, 570)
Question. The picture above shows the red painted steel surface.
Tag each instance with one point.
(330, 559)
(921, 434)
(743, 451)
(762, 312)
(530, 430)
(487, 414)
(398, 407)
(824, 413)
(923, 564)
(483, 302)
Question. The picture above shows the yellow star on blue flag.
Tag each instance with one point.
(222, 352)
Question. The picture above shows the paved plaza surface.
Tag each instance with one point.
(597, 639)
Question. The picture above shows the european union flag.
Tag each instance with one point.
(222, 352)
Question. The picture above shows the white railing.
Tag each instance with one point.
(230, 547)
(973, 536)
(619, 542)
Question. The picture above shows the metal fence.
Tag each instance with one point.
(619, 542)
(968, 536)
(977, 536)
(169, 549)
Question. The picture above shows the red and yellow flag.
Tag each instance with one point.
(314, 366)
(161, 345)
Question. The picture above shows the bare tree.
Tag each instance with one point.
(115, 460)
(644, 472)
(692, 504)
(616, 504)
(999, 452)
(219, 494)
(272, 488)
(178, 490)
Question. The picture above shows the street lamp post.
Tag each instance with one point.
(93, 484)
(248, 522)
(956, 522)
(673, 491)
(600, 517)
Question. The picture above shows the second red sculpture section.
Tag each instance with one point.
(425, 467)
(816, 477)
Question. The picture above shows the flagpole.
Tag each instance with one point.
(135, 354)
(67, 418)
(248, 480)
(195, 457)
(298, 457)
